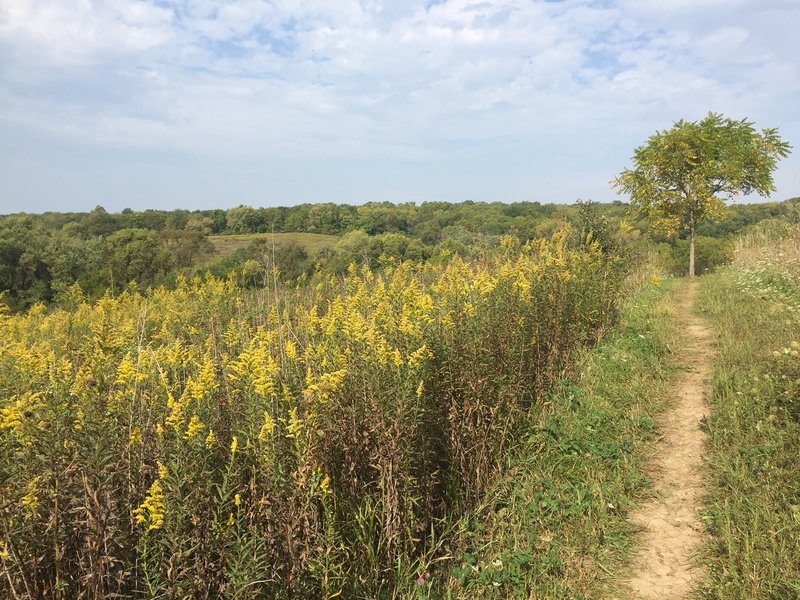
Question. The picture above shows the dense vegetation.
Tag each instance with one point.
(42, 256)
(212, 404)
(556, 525)
(753, 505)
(316, 441)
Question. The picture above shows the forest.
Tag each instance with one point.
(44, 255)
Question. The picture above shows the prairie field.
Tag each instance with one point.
(321, 441)
(225, 245)
(372, 300)
(445, 427)
(753, 506)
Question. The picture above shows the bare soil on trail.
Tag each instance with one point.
(671, 531)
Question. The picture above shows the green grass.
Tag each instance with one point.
(753, 504)
(557, 528)
(225, 245)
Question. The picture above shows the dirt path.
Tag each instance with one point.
(671, 530)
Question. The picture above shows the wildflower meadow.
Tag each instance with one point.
(307, 441)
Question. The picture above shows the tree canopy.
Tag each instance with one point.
(683, 175)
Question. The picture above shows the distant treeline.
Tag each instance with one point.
(38, 263)
(43, 255)
(429, 222)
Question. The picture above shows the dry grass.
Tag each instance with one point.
(773, 245)
(225, 245)
(753, 505)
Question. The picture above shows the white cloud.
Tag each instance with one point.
(73, 33)
(303, 78)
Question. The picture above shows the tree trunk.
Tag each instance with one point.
(691, 251)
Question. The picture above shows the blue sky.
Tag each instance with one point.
(201, 104)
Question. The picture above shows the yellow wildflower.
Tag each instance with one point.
(522, 283)
(325, 485)
(210, 439)
(126, 371)
(263, 383)
(309, 377)
(295, 426)
(267, 428)
(234, 446)
(286, 395)
(153, 508)
(485, 284)
(207, 379)
(447, 321)
(191, 390)
(419, 356)
(237, 499)
(177, 409)
(328, 384)
(30, 501)
(195, 427)
(136, 436)
(18, 411)
(61, 372)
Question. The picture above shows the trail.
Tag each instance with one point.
(671, 534)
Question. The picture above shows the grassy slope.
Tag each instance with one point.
(225, 245)
(557, 528)
(753, 507)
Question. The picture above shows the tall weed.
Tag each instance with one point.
(289, 442)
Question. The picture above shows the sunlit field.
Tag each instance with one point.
(206, 441)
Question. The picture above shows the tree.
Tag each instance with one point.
(289, 257)
(323, 218)
(684, 175)
(244, 219)
(24, 273)
(74, 260)
(136, 255)
(593, 226)
(99, 223)
(352, 247)
(186, 247)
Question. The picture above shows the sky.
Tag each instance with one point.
(211, 104)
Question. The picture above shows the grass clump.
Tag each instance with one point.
(753, 504)
(555, 526)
